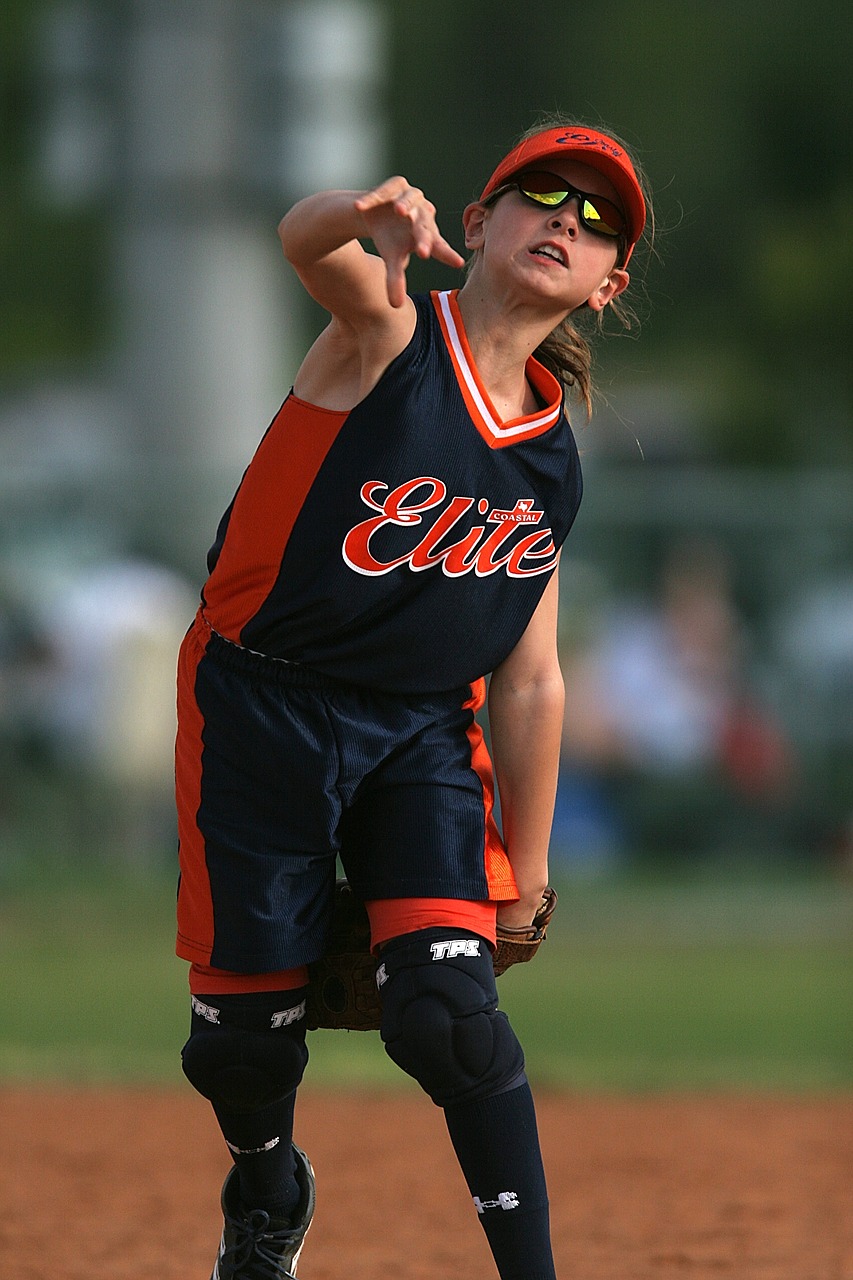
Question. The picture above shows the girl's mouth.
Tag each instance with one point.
(551, 252)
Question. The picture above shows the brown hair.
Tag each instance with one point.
(566, 352)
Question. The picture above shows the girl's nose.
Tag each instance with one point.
(567, 217)
(565, 220)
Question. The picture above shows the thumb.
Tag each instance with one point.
(395, 274)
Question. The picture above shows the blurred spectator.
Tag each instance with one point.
(667, 747)
(107, 699)
(24, 657)
(814, 637)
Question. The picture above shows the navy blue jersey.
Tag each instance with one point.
(403, 544)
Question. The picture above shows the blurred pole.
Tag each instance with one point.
(332, 56)
(220, 115)
(206, 339)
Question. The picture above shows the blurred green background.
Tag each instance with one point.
(703, 842)
(646, 983)
(739, 113)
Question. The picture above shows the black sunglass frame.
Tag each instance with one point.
(572, 193)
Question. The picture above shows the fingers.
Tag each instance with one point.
(516, 915)
(395, 274)
(401, 221)
(446, 253)
(396, 201)
(385, 193)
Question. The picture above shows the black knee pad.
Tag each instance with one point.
(440, 1020)
(246, 1052)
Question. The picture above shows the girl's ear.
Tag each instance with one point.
(615, 282)
(473, 222)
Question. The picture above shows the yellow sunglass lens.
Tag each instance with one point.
(591, 214)
(546, 197)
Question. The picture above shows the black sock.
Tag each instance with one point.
(497, 1144)
(258, 1129)
(260, 1144)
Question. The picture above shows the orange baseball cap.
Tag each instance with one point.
(590, 147)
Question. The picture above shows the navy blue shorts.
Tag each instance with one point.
(281, 769)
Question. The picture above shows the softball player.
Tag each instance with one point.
(394, 540)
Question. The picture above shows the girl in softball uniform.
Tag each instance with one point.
(394, 541)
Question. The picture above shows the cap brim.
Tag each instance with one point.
(589, 147)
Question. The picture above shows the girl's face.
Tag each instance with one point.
(546, 250)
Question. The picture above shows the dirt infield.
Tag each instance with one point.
(122, 1185)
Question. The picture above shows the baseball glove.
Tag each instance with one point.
(515, 946)
(342, 992)
(342, 986)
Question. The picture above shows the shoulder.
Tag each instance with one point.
(347, 362)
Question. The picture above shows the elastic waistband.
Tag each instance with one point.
(284, 672)
(279, 671)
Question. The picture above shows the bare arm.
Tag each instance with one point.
(320, 237)
(526, 698)
(372, 315)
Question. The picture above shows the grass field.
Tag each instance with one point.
(645, 983)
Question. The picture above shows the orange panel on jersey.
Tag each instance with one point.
(268, 502)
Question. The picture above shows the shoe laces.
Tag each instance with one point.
(256, 1245)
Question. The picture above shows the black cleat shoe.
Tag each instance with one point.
(256, 1247)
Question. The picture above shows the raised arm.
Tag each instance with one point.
(365, 293)
(320, 237)
(526, 698)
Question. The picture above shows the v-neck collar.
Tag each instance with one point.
(496, 433)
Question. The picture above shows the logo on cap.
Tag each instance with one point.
(584, 140)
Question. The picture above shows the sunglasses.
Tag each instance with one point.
(597, 214)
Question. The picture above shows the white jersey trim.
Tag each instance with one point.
(517, 426)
